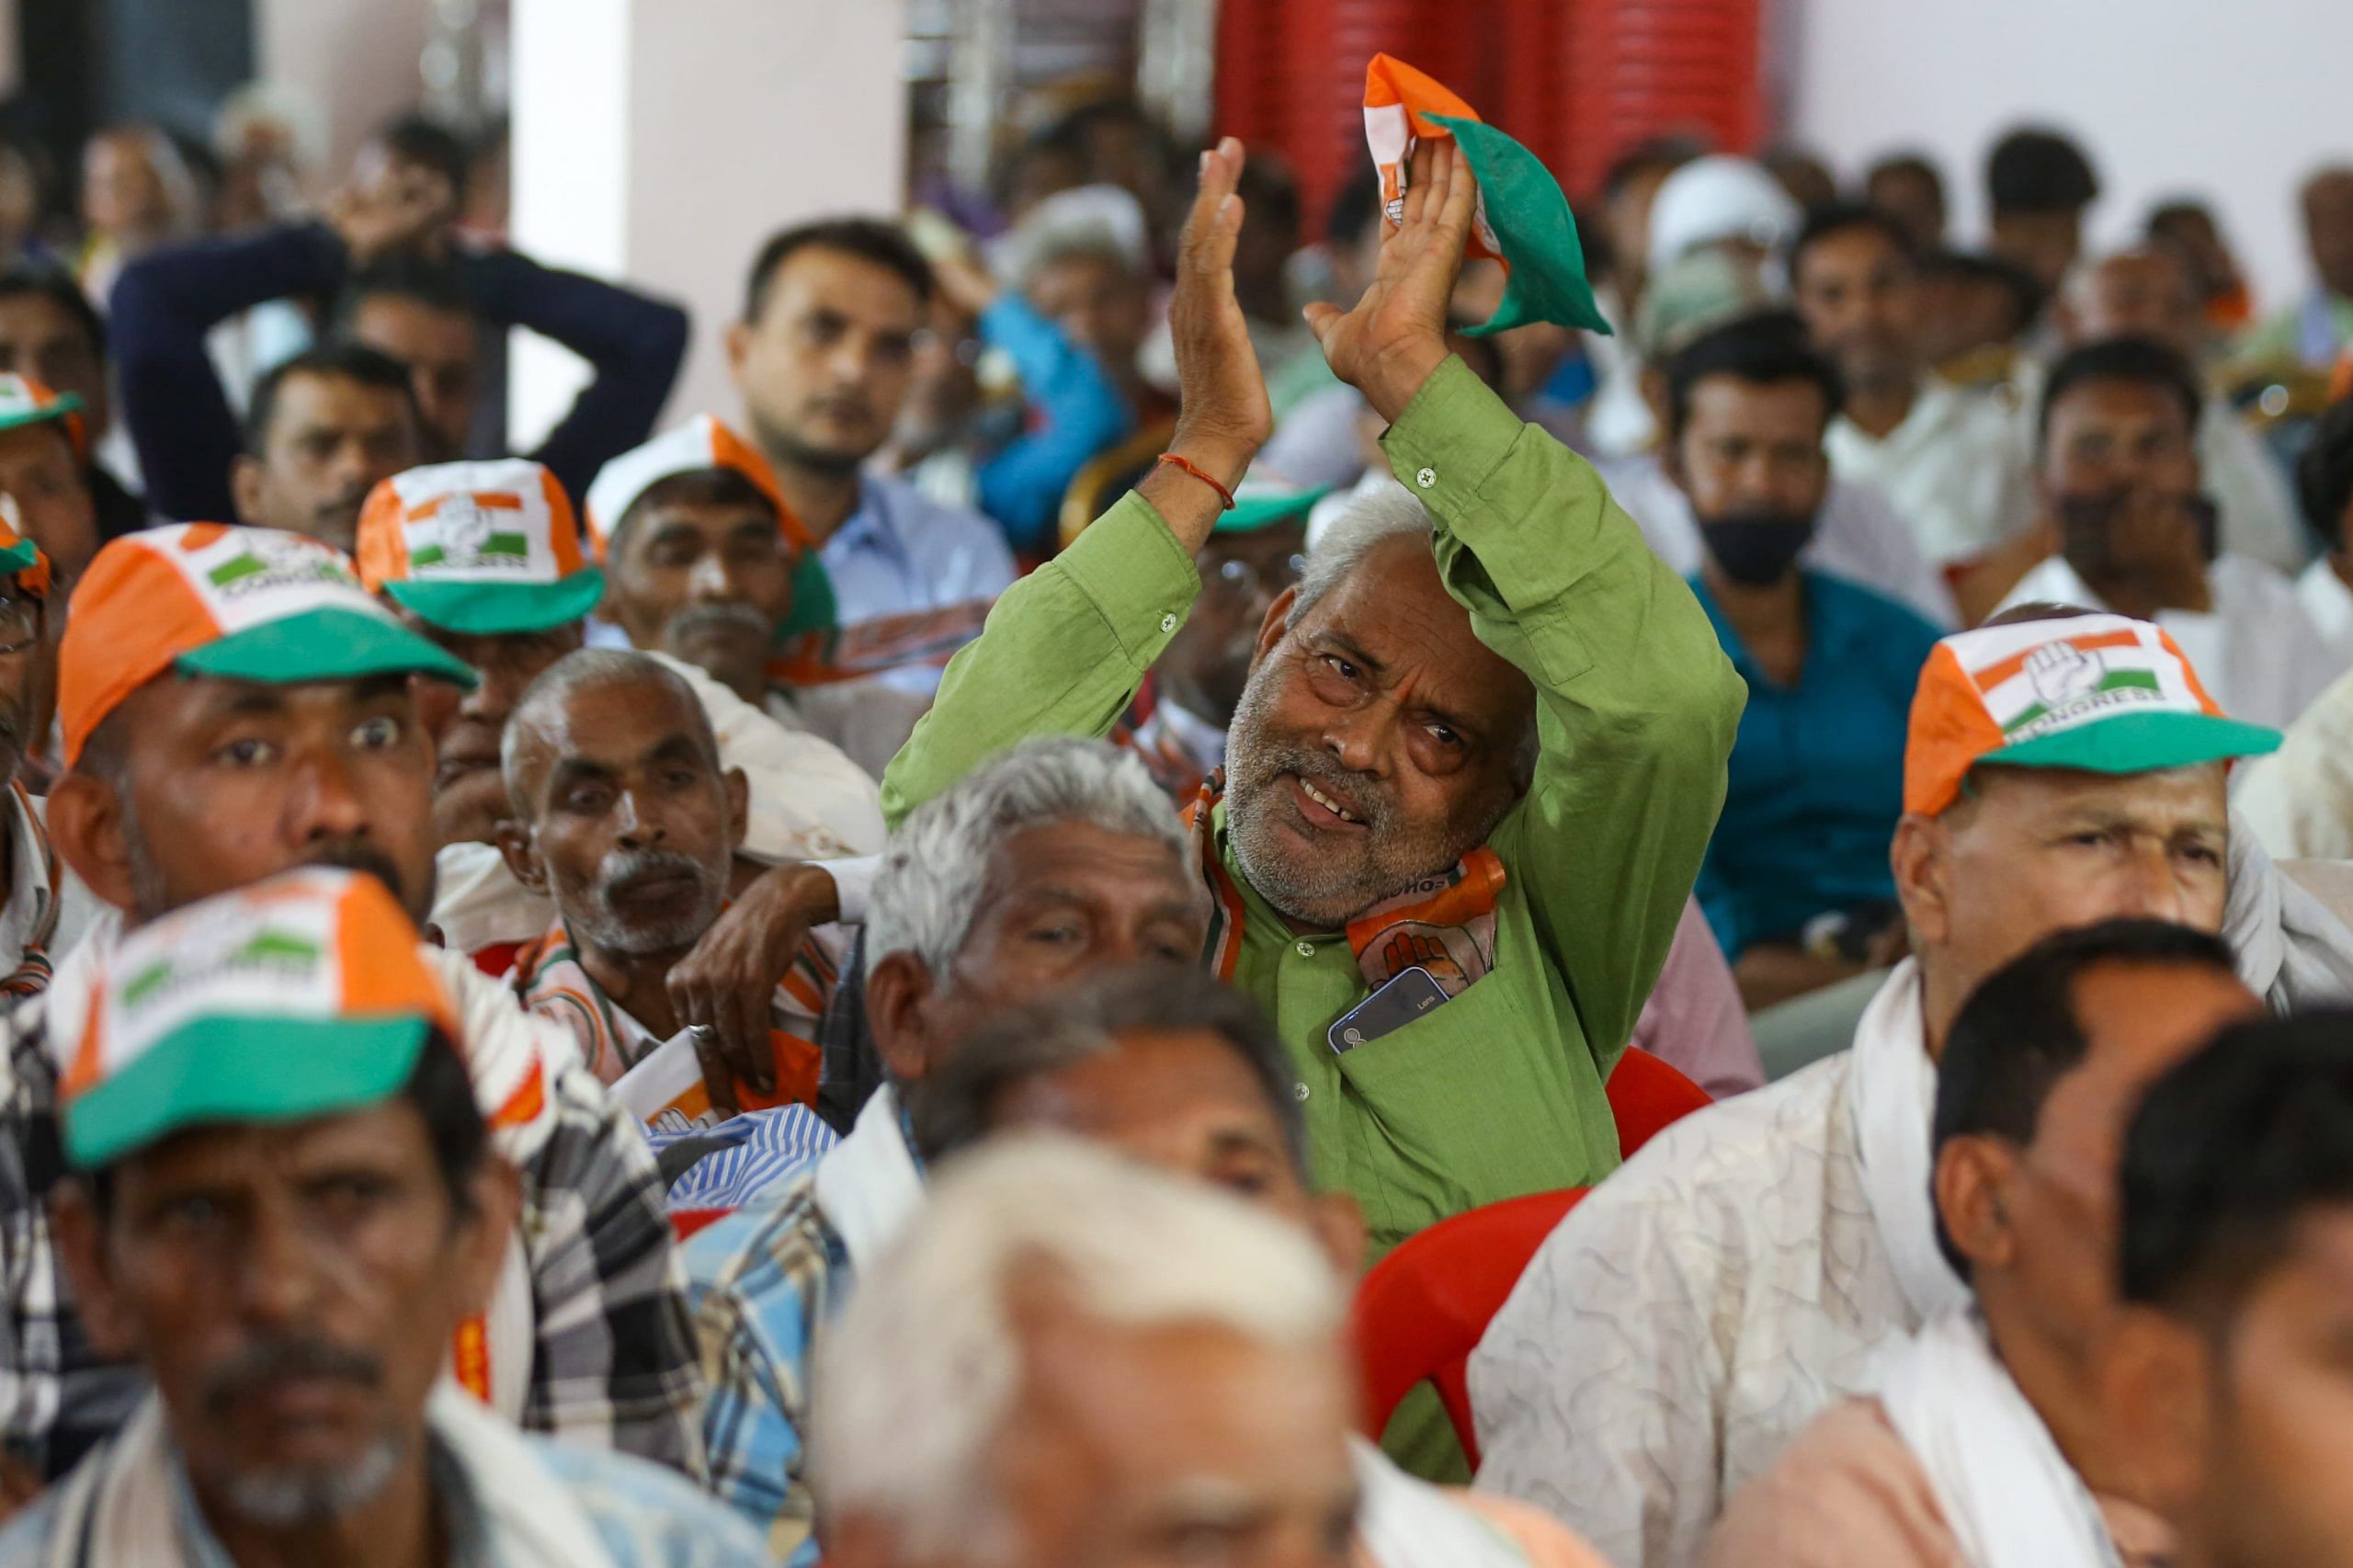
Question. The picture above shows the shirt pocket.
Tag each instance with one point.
(1484, 1098)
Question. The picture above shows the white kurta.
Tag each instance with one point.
(1955, 471)
(2328, 605)
(2298, 800)
(2255, 650)
(1723, 1289)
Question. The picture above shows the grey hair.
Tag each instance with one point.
(915, 1380)
(1367, 522)
(935, 867)
(582, 670)
(955, 1107)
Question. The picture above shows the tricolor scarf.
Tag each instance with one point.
(551, 981)
(921, 637)
(1444, 923)
(31, 975)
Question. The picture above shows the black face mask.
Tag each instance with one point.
(1756, 549)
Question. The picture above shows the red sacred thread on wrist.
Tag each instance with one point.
(1189, 466)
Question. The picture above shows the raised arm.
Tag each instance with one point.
(164, 304)
(1636, 703)
(633, 343)
(1066, 647)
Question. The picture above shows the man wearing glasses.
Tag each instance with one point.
(1178, 720)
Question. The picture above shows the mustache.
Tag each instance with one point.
(623, 871)
(730, 615)
(1367, 797)
(282, 1356)
(353, 855)
(343, 507)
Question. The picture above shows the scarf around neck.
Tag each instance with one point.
(1892, 1090)
(2008, 1494)
(1445, 923)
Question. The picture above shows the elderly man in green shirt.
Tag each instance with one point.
(1484, 737)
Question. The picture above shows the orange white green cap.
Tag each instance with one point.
(699, 446)
(20, 557)
(484, 549)
(24, 400)
(2093, 693)
(231, 603)
(302, 996)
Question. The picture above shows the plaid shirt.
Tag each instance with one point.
(764, 1280)
(613, 1361)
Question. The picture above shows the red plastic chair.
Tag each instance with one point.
(1647, 1097)
(1419, 1313)
(1423, 1309)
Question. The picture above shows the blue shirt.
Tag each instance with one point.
(1816, 777)
(1078, 414)
(902, 551)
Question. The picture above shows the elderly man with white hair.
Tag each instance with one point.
(1069, 1350)
(1475, 765)
(1047, 864)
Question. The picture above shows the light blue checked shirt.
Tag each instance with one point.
(762, 1283)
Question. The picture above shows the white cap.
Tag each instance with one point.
(1715, 198)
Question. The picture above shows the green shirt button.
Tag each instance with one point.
(1307, 949)
(1299, 1091)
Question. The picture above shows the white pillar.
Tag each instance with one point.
(660, 141)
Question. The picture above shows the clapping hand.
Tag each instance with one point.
(1387, 347)
(1224, 416)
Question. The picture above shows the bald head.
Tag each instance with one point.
(645, 695)
(623, 814)
(2142, 292)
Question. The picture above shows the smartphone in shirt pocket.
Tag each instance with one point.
(1409, 994)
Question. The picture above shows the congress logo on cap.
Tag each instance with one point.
(298, 996)
(234, 602)
(487, 549)
(2096, 693)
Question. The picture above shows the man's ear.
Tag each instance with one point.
(520, 850)
(2157, 1380)
(898, 996)
(1973, 1173)
(81, 1245)
(245, 487)
(739, 348)
(739, 806)
(1918, 860)
(486, 1234)
(1278, 621)
(86, 825)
